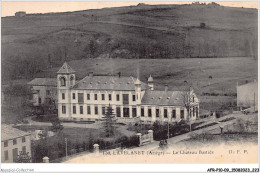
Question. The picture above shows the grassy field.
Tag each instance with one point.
(162, 31)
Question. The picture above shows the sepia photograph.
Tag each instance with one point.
(129, 82)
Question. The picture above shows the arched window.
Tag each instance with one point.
(62, 81)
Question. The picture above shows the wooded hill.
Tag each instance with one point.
(38, 42)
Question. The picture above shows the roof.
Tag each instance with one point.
(43, 82)
(163, 98)
(138, 82)
(108, 83)
(66, 69)
(8, 132)
(150, 79)
(251, 84)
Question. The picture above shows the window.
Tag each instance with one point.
(14, 142)
(15, 154)
(64, 109)
(88, 110)
(125, 99)
(193, 111)
(74, 110)
(23, 139)
(71, 80)
(48, 92)
(96, 110)
(88, 96)
(81, 109)
(182, 114)
(103, 110)
(118, 112)
(133, 98)
(134, 112)
(149, 112)
(117, 97)
(95, 96)
(193, 99)
(6, 155)
(40, 100)
(142, 112)
(63, 96)
(103, 96)
(62, 81)
(80, 97)
(73, 96)
(165, 113)
(24, 149)
(109, 97)
(126, 112)
(5, 143)
(173, 113)
(157, 113)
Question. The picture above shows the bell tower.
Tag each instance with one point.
(66, 77)
(65, 80)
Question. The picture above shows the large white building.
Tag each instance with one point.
(130, 98)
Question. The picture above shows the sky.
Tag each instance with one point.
(8, 8)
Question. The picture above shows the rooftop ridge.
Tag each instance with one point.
(65, 69)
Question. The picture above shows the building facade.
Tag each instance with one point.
(247, 95)
(130, 98)
(12, 142)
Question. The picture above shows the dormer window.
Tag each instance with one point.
(62, 81)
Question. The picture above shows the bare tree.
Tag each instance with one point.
(187, 102)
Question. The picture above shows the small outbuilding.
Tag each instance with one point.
(247, 95)
(20, 14)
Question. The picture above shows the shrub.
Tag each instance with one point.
(202, 25)
(130, 142)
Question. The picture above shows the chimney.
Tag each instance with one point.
(119, 74)
(166, 88)
(90, 74)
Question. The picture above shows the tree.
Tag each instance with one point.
(56, 125)
(202, 25)
(109, 121)
(24, 157)
(187, 101)
(92, 47)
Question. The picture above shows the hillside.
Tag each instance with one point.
(41, 41)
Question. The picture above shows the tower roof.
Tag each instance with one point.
(65, 69)
(137, 82)
(150, 79)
